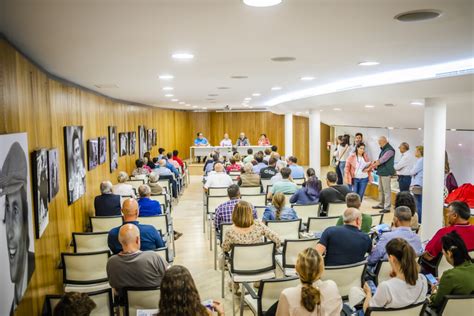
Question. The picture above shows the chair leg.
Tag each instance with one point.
(223, 280)
(215, 251)
(242, 295)
(233, 299)
(210, 233)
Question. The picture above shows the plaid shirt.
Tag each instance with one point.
(224, 211)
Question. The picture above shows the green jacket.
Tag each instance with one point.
(387, 168)
(366, 223)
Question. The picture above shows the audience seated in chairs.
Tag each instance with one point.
(153, 183)
(285, 185)
(218, 178)
(278, 210)
(460, 279)
(406, 287)
(161, 154)
(170, 166)
(353, 200)
(147, 206)
(233, 166)
(313, 296)
(177, 158)
(209, 165)
(150, 239)
(400, 229)
(279, 165)
(309, 193)
(165, 173)
(122, 188)
(248, 178)
(74, 304)
(297, 172)
(179, 295)
(345, 244)
(107, 204)
(149, 161)
(133, 267)
(269, 171)
(170, 159)
(140, 168)
(267, 152)
(334, 193)
(249, 156)
(405, 198)
(260, 164)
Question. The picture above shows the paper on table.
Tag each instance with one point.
(147, 312)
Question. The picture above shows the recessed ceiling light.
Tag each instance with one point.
(283, 59)
(369, 106)
(195, 106)
(250, 107)
(247, 99)
(390, 105)
(168, 88)
(276, 88)
(321, 110)
(452, 129)
(262, 3)
(239, 77)
(417, 15)
(169, 95)
(223, 88)
(369, 63)
(337, 109)
(459, 145)
(390, 127)
(307, 78)
(166, 77)
(244, 104)
(182, 102)
(182, 56)
(417, 103)
(174, 100)
(210, 99)
(204, 108)
(188, 104)
(212, 95)
(256, 94)
(419, 128)
(298, 113)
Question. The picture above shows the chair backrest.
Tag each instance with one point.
(255, 199)
(270, 290)
(382, 271)
(50, 302)
(90, 242)
(346, 276)
(160, 198)
(268, 188)
(377, 219)
(164, 253)
(260, 210)
(105, 223)
(265, 183)
(306, 211)
(336, 209)
(165, 184)
(253, 258)
(286, 229)
(224, 228)
(123, 198)
(141, 298)
(410, 310)
(214, 201)
(291, 249)
(234, 173)
(85, 268)
(319, 224)
(250, 190)
(217, 191)
(135, 183)
(457, 305)
(160, 222)
(104, 302)
(299, 181)
(143, 177)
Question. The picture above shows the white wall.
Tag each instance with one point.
(461, 158)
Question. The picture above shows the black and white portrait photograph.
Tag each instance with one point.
(53, 172)
(143, 148)
(75, 163)
(17, 257)
(102, 149)
(149, 139)
(154, 138)
(123, 144)
(132, 137)
(113, 143)
(40, 189)
(93, 153)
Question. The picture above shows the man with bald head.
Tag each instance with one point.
(107, 204)
(385, 171)
(217, 178)
(150, 239)
(132, 267)
(345, 244)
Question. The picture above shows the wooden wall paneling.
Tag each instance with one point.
(301, 139)
(325, 137)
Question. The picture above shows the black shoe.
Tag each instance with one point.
(384, 211)
(377, 207)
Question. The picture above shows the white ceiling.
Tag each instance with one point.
(128, 43)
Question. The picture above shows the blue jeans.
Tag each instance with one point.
(419, 205)
(342, 167)
(360, 184)
(404, 183)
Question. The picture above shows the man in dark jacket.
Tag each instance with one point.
(107, 204)
(385, 171)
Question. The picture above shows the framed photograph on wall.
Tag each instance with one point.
(75, 163)
(142, 140)
(93, 153)
(40, 189)
(53, 172)
(154, 138)
(132, 137)
(102, 149)
(123, 144)
(17, 257)
(113, 148)
(149, 139)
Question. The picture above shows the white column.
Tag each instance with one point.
(434, 137)
(315, 141)
(288, 134)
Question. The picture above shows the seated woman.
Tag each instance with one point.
(406, 287)
(233, 166)
(312, 296)
(140, 168)
(309, 193)
(245, 230)
(122, 188)
(248, 178)
(179, 295)
(405, 198)
(278, 210)
(263, 140)
(460, 279)
(153, 183)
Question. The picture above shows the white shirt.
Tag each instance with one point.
(396, 293)
(218, 180)
(123, 189)
(405, 164)
(226, 142)
(360, 166)
(276, 178)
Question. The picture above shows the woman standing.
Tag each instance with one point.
(341, 154)
(417, 180)
(357, 171)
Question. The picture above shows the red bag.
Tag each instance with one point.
(464, 193)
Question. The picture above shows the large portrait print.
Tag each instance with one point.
(75, 163)
(113, 148)
(102, 149)
(142, 141)
(40, 190)
(149, 139)
(17, 257)
(123, 144)
(93, 153)
(53, 172)
(132, 137)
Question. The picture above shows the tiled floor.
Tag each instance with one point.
(193, 247)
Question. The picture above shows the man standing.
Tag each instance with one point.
(404, 166)
(359, 138)
(385, 171)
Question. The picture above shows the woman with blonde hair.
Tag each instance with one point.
(278, 210)
(313, 296)
(416, 186)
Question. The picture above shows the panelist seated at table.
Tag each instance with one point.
(226, 141)
(263, 140)
(242, 140)
(200, 141)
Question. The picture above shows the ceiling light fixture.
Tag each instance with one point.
(195, 106)
(165, 77)
(168, 88)
(276, 88)
(459, 145)
(247, 99)
(390, 127)
(182, 56)
(283, 59)
(307, 78)
(188, 104)
(169, 95)
(262, 3)
(337, 109)
(174, 100)
(182, 102)
(250, 107)
(419, 128)
(369, 106)
(417, 15)
(452, 129)
(256, 94)
(369, 63)
(418, 103)
(204, 108)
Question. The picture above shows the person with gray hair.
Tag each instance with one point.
(248, 178)
(153, 183)
(345, 244)
(107, 204)
(404, 166)
(217, 178)
(147, 206)
(385, 171)
(401, 228)
(122, 188)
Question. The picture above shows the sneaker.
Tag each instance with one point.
(377, 207)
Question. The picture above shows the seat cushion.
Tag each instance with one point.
(253, 277)
(86, 288)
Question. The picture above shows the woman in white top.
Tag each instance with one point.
(313, 296)
(122, 188)
(406, 287)
(358, 171)
(226, 141)
(342, 152)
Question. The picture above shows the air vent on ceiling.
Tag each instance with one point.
(283, 59)
(417, 15)
(390, 105)
(239, 77)
(106, 86)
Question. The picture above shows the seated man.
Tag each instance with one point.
(177, 158)
(165, 173)
(170, 159)
(280, 164)
(107, 204)
(147, 206)
(133, 267)
(353, 200)
(209, 165)
(171, 167)
(401, 229)
(334, 193)
(269, 171)
(249, 156)
(345, 244)
(297, 172)
(150, 239)
(285, 185)
(260, 164)
(218, 179)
